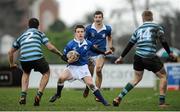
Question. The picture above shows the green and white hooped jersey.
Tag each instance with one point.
(145, 39)
(29, 44)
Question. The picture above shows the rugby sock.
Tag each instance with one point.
(161, 99)
(125, 90)
(39, 94)
(59, 88)
(100, 97)
(23, 94)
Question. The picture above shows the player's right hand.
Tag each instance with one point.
(119, 60)
(108, 52)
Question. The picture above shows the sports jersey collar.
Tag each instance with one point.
(103, 28)
(147, 22)
(31, 29)
(83, 43)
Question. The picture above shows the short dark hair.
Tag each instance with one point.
(79, 26)
(33, 23)
(147, 15)
(98, 13)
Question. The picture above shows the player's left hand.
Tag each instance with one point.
(173, 57)
(119, 60)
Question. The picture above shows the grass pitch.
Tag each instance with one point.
(72, 100)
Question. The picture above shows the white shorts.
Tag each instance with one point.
(78, 72)
(93, 58)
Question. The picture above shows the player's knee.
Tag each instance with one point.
(92, 87)
(137, 80)
(163, 77)
(46, 75)
(61, 80)
(98, 69)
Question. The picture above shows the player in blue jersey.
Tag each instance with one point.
(78, 70)
(31, 57)
(99, 34)
(145, 38)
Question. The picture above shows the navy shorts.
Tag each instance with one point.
(153, 64)
(40, 65)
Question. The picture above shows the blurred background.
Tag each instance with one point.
(58, 17)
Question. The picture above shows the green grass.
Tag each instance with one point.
(72, 100)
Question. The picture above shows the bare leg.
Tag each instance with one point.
(89, 82)
(99, 66)
(42, 85)
(137, 78)
(24, 87)
(66, 75)
(44, 81)
(91, 69)
(162, 86)
(25, 81)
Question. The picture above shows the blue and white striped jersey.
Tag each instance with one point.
(145, 38)
(29, 44)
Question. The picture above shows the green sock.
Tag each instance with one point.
(23, 94)
(126, 89)
(39, 93)
(161, 99)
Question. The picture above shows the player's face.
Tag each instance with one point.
(79, 34)
(98, 19)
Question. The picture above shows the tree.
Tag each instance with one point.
(171, 26)
(58, 26)
(59, 39)
(12, 16)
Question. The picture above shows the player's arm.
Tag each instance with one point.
(15, 47)
(11, 57)
(165, 45)
(110, 41)
(128, 47)
(53, 49)
(125, 51)
(95, 49)
(49, 45)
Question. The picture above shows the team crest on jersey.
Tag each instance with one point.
(85, 47)
(74, 48)
(103, 35)
(92, 34)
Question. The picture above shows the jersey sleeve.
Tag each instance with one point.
(109, 30)
(134, 38)
(44, 39)
(67, 49)
(87, 33)
(90, 44)
(16, 44)
(160, 33)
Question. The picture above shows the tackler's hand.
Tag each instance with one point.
(119, 60)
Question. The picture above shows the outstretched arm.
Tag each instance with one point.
(110, 42)
(53, 49)
(126, 50)
(11, 57)
(165, 45)
(100, 52)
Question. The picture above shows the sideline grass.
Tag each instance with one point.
(72, 100)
